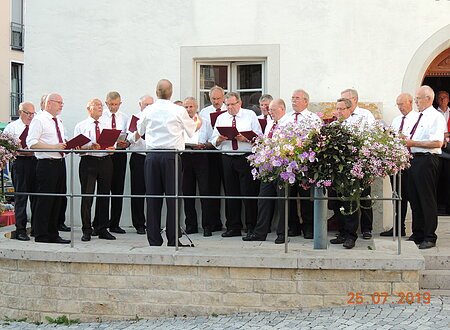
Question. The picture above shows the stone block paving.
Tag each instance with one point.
(435, 315)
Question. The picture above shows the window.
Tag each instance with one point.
(16, 88)
(17, 29)
(245, 77)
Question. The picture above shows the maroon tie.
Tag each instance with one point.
(415, 126)
(401, 124)
(58, 132)
(296, 117)
(113, 121)
(272, 129)
(234, 142)
(265, 117)
(24, 135)
(97, 131)
(448, 123)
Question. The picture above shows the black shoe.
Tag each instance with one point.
(191, 230)
(85, 238)
(22, 237)
(426, 245)
(338, 240)
(106, 235)
(280, 239)
(349, 243)
(63, 227)
(94, 233)
(207, 232)
(415, 240)
(232, 233)
(253, 237)
(60, 240)
(308, 234)
(390, 233)
(366, 235)
(140, 230)
(117, 230)
(293, 232)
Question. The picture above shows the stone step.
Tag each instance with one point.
(443, 293)
(435, 279)
(434, 262)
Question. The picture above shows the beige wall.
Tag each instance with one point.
(6, 57)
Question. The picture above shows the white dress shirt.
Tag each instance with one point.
(408, 124)
(15, 128)
(246, 120)
(164, 124)
(121, 120)
(43, 129)
(199, 135)
(139, 144)
(205, 116)
(87, 128)
(432, 127)
(282, 122)
(446, 115)
(304, 115)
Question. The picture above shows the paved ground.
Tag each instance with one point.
(435, 315)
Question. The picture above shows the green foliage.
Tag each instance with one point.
(61, 320)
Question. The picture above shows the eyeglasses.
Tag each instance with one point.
(420, 97)
(28, 113)
(59, 102)
(232, 104)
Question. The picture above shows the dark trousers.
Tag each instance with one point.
(160, 180)
(195, 171)
(117, 185)
(50, 178)
(95, 171)
(215, 175)
(62, 211)
(306, 210)
(422, 193)
(137, 188)
(266, 208)
(348, 223)
(238, 181)
(443, 185)
(404, 195)
(24, 180)
(366, 219)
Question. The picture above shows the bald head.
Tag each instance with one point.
(164, 89)
(424, 97)
(405, 103)
(145, 101)
(277, 109)
(54, 104)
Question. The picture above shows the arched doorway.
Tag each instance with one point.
(437, 75)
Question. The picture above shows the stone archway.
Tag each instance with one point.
(423, 57)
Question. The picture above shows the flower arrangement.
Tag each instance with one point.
(345, 157)
(8, 151)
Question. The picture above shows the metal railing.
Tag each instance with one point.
(317, 195)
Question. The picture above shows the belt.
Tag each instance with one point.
(25, 157)
(96, 157)
(52, 159)
(421, 154)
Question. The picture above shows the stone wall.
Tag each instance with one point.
(93, 292)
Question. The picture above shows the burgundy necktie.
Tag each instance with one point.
(58, 132)
(24, 135)
(448, 123)
(401, 124)
(415, 126)
(272, 129)
(234, 142)
(113, 121)
(265, 117)
(296, 117)
(97, 131)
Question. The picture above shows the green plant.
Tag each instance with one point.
(61, 320)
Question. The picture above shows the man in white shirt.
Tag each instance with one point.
(301, 116)
(215, 171)
(363, 117)
(195, 172)
(266, 207)
(403, 125)
(46, 132)
(164, 125)
(94, 169)
(23, 170)
(444, 159)
(238, 180)
(425, 140)
(112, 118)
(137, 160)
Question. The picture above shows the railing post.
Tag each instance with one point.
(320, 216)
(176, 201)
(286, 217)
(399, 214)
(394, 204)
(72, 236)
